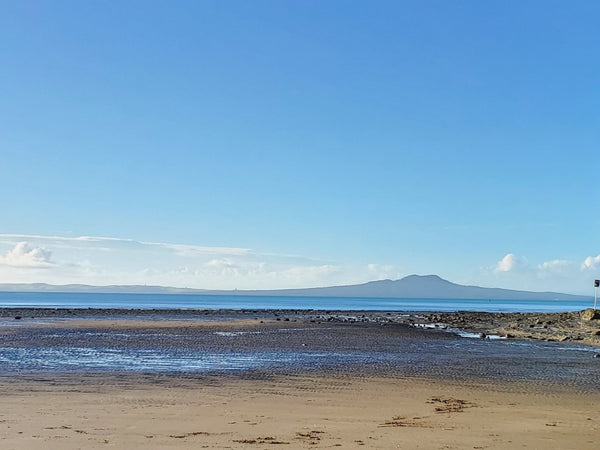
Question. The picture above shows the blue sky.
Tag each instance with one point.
(300, 143)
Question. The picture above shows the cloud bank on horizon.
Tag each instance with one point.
(109, 261)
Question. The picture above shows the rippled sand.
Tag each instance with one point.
(305, 411)
(126, 382)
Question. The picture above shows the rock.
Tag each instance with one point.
(590, 314)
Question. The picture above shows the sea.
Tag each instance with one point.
(192, 301)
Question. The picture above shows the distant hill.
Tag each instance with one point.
(412, 286)
(427, 286)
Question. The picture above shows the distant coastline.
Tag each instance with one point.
(412, 286)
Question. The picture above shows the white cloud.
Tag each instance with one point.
(591, 263)
(556, 266)
(513, 271)
(517, 266)
(508, 263)
(25, 256)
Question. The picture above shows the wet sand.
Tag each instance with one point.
(577, 326)
(417, 388)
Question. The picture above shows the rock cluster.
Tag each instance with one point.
(581, 326)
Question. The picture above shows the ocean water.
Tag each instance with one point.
(187, 301)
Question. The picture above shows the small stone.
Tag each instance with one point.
(590, 314)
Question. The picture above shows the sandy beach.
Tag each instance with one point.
(291, 412)
(350, 384)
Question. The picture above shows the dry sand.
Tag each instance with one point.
(307, 411)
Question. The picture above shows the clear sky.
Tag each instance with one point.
(266, 144)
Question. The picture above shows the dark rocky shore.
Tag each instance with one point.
(578, 326)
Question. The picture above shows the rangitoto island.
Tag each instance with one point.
(411, 286)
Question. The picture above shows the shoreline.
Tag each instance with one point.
(582, 327)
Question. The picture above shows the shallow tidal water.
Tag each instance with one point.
(294, 348)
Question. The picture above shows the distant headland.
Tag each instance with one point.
(412, 286)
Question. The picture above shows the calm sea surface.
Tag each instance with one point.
(186, 301)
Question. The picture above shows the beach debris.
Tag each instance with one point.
(261, 440)
(401, 421)
(312, 437)
(191, 434)
(450, 404)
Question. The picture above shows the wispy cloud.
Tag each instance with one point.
(105, 260)
(111, 243)
(555, 266)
